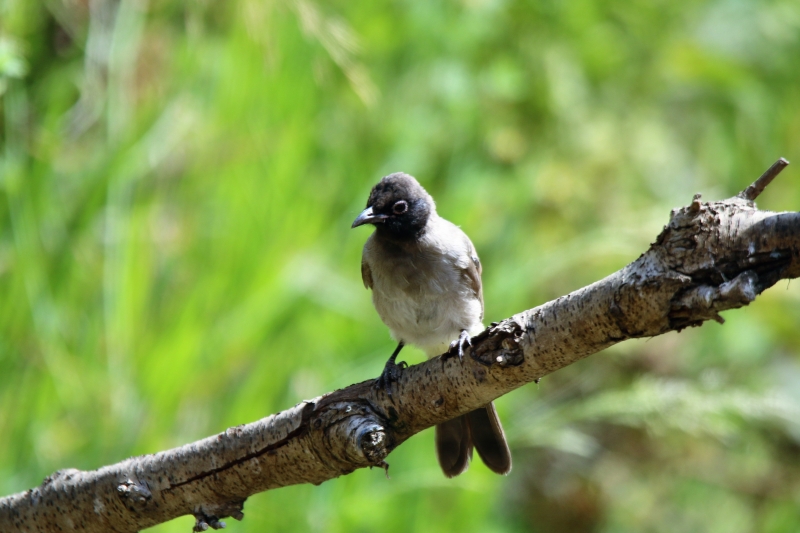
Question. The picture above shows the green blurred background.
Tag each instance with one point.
(177, 183)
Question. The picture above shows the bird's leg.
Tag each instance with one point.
(462, 340)
(391, 372)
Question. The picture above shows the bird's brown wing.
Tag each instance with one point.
(366, 274)
(473, 272)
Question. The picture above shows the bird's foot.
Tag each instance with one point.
(391, 373)
(462, 340)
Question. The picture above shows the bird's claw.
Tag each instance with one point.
(391, 373)
(459, 343)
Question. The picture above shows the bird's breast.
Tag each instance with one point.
(423, 297)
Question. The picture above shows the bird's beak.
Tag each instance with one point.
(368, 217)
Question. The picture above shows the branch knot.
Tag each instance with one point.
(500, 344)
(134, 493)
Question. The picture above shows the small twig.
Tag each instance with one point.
(758, 186)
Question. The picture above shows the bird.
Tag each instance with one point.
(425, 277)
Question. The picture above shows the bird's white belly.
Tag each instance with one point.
(429, 317)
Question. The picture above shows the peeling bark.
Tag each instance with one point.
(710, 257)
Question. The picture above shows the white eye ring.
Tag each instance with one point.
(400, 207)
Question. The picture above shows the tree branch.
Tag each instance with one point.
(710, 257)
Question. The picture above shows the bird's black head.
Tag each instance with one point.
(398, 206)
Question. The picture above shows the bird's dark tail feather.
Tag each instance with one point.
(453, 446)
(489, 439)
(481, 428)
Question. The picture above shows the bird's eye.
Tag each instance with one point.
(400, 207)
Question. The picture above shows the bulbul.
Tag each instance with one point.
(425, 277)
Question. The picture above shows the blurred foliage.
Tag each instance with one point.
(177, 182)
